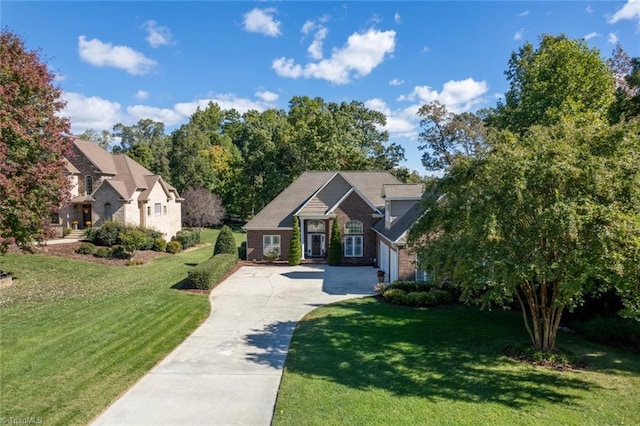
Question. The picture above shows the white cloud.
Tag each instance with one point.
(397, 18)
(100, 54)
(267, 96)
(612, 38)
(525, 13)
(519, 34)
(315, 48)
(158, 35)
(396, 82)
(165, 115)
(93, 112)
(401, 123)
(589, 9)
(357, 58)
(307, 27)
(631, 10)
(141, 94)
(460, 95)
(591, 35)
(90, 112)
(59, 77)
(425, 49)
(261, 21)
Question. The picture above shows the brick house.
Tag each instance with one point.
(115, 187)
(374, 211)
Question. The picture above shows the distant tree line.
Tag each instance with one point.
(248, 159)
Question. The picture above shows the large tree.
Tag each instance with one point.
(545, 218)
(33, 142)
(146, 143)
(560, 78)
(201, 208)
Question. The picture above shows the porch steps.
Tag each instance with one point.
(76, 234)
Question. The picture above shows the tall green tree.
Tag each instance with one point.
(33, 143)
(103, 139)
(145, 142)
(446, 136)
(295, 247)
(546, 218)
(561, 78)
(626, 72)
(335, 244)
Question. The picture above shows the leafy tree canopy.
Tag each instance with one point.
(33, 143)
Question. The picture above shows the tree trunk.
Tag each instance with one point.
(541, 313)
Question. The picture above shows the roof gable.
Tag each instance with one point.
(279, 212)
(101, 159)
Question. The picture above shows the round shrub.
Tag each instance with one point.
(225, 243)
(119, 252)
(86, 248)
(394, 296)
(103, 252)
(188, 237)
(173, 247)
(107, 234)
(159, 244)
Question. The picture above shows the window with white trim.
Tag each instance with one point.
(271, 243)
(353, 240)
(88, 185)
(157, 209)
(353, 246)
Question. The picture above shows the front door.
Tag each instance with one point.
(316, 245)
(86, 214)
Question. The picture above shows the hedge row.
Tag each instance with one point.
(109, 235)
(206, 275)
(417, 294)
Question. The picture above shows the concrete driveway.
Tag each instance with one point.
(228, 371)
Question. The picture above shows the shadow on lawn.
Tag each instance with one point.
(451, 353)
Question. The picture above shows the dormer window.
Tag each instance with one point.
(88, 185)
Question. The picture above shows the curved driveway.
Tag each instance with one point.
(228, 371)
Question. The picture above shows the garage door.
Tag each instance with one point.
(384, 258)
(393, 266)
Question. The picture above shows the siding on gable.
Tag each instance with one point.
(397, 208)
(327, 197)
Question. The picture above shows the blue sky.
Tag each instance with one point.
(125, 61)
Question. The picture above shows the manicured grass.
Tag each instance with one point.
(74, 335)
(367, 362)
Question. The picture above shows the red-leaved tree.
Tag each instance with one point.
(33, 142)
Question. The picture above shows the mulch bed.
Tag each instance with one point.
(68, 250)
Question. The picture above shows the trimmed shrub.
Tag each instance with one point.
(86, 248)
(225, 243)
(612, 331)
(188, 238)
(133, 240)
(159, 244)
(242, 251)
(107, 234)
(295, 248)
(89, 233)
(335, 244)
(271, 255)
(103, 252)
(394, 295)
(173, 247)
(119, 252)
(208, 274)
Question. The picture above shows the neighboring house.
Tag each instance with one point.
(115, 187)
(374, 209)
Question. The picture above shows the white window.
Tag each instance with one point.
(157, 209)
(270, 243)
(88, 185)
(353, 243)
(354, 227)
(315, 226)
(353, 246)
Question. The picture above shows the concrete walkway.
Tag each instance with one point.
(228, 371)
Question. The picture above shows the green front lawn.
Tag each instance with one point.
(367, 362)
(74, 335)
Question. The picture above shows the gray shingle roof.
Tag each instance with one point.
(279, 212)
(403, 190)
(400, 226)
(98, 156)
